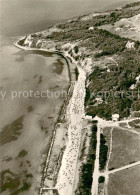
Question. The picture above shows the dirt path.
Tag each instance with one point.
(125, 167)
(96, 174)
(107, 165)
(94, 189)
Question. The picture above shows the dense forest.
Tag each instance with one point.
(115, 85)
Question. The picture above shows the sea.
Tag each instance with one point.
(27, 120)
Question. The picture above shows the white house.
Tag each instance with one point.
(130, 45)
(39, 43)
(28, 41)
(88, 117)
(115, 117)
(91, 28)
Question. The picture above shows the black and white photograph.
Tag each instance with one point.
(70, 97)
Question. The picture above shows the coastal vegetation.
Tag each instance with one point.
(101, 179)
(76, 73)
(131, 5)
(79, 29)
(87, 168)
(103, 152)
(99, 20)
(115, 87)
(135, 123)
(116, 79)
(111, 85)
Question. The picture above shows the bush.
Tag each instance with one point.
(22, 153)
(101, 179)
(103, 152)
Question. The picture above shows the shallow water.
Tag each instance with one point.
(27, 123)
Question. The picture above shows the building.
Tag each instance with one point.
(130, 45)
(115, 117)
(99, 100)
(91, 28)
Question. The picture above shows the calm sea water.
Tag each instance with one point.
(27, 122)
(24, 71)
(19, 17)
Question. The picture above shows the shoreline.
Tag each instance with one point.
(76, 113)
(68, 61)
(61, 112)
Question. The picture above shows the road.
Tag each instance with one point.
(96, 165)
